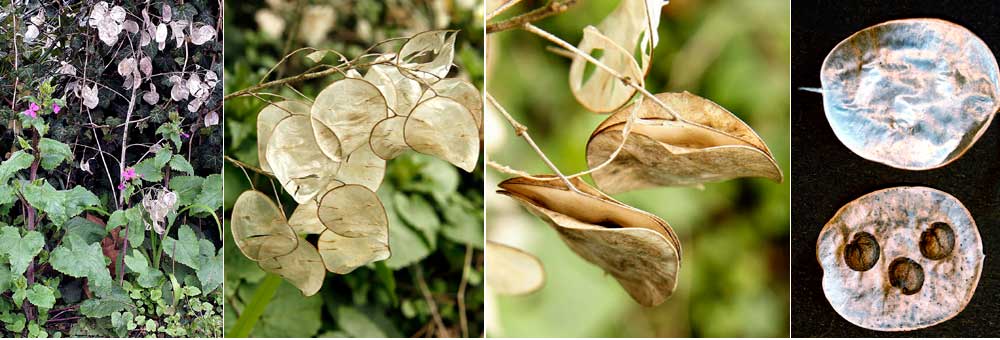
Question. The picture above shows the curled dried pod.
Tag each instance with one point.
(512, 271)
(709, 144)
(637, 248)
(904, 289)
(912, 94)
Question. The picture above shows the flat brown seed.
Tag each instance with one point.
(937, 242)
(906, 275)
(904, 290)
(862, 253)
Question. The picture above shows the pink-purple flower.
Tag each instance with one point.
(32, 110)
(56, 108)
(185, 135)
(127, 175)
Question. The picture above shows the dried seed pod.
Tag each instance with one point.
(443, 128)
(512, 271)
(904, 290)
(638, 249)
(349, 108)
(342, 255)
(401, 93)
(362, 167)
(259, 228)
(912, 94)
(303, 267)
(711, 144)
(296, 159)
(461, 91)
(429, 54)
(353, 211)
(601, 91)
(268, 118)
(387, 138)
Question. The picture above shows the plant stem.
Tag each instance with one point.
(258, 303)
(283, 81)
(461, 292)
(246, 166)
(552, 8)
(419, 276)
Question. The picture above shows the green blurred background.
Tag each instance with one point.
(734, 277)
(434, 209)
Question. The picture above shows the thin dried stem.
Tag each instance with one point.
(522, 131)
(511, 171)
(245, 166)
(502, 8)
(625, 80)
(419, 274)
(552, 8)
(283, 81)
(461, 292)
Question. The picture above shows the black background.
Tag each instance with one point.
(826, 175)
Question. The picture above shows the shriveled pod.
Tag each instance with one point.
(303, 267)
(709, 144)
(268, 118)
(443, 128)
(638, 249)
(511, 271)
(259, 228)
(340, 254)
(353, 211)
(900, 259)
(344, 114)
(912, 94)
(429, 54)
(301, 168)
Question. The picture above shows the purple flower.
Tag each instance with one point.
(185, 135)
(31, 114)
(128, 174)
(121, 186)
(33, 107)
(56, 108)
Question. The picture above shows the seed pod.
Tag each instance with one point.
(913, 94)
(259, 228)
(512, 271)
(303, 267)
(638, 249)
(907, 290)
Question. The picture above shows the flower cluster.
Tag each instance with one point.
(32, 110)
(127, 175)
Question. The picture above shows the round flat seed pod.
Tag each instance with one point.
(876, 270)
(305, 219)
(600, 91)
(463, 92)
(429, 54)
(401, 93)
(349, 108)
(913, 94)
(259, 228)
(512, 271)
(353, 211)
(638, 249)
(303, 268)
(342, 255)
(443, 128)
(387, 138)
(362, 167)
(268, 118)
(297, 161)
(710, 144)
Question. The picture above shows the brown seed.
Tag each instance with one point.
(862, 253)
(906, 275)
(937, 242)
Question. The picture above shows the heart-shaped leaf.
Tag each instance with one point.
(259, 228)
(349, 108)
(296, 159)
(268, 118)
(443, 128)
(711, 144)
(512, 271)
(638, 249)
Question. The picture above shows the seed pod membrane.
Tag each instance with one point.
(638, 249)
(511, 271)
(353, 211)
(443, 128)
(711, 144)
(913, 94)
(387, 138)
(903, 290)
(268, 118)
(259, 228)
(349, 108)
(301, 168)
(303, 267)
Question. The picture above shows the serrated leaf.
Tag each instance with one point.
(151, 169)
(407, 246)
(463, 225)
(76, 258)
(179, 163)
(6, 277)
(20, 250)
(287, 303)
(85, 228)
(187, 188)
(419, 214)
(185, 248)
(149, 277)
(53, 153)
(42, 296)
(210, 197)
(211, 270)
(115, 301)
(59, 205)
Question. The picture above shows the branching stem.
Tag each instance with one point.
(552, 8)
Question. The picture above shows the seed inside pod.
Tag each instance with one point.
(862, 253)
(937, 242)
(906, 275)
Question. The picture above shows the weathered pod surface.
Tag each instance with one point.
(512, 271)
(900, 259)
(710, 144)
(303, 267)
(340, 254)
(353, 211)
(348, 108)
(912, 94)
(443, 128)
(638, 249)
(295, 157)
(259, 228)
(268, 118)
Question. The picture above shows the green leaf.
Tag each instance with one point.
(136, 226)
(465, 222)
(116, 220)
(6, 277)
(13, 322)
(407, 246)
(115, 300)
(210, 196)
(185, 248)
(180, 164)
(288, 315)
(211, 269)
(359, 325)
(42, 296)
(53, 153)
(89, 231)
(76, 258)
(7, 194)
(60, 205)
(20, 250)
(418, 213)
(149, 277)
(151, 169)
(187, 188)
(18, 161)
